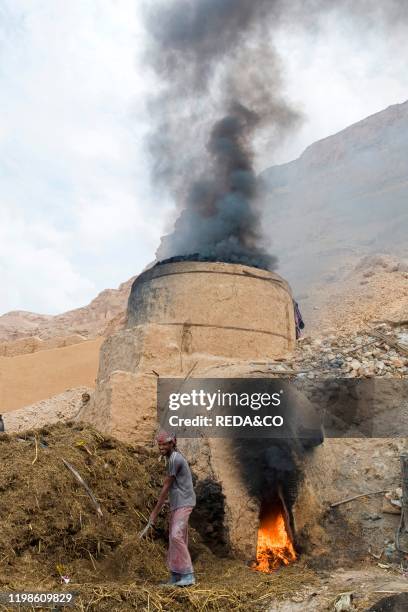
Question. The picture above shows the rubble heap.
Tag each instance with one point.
(380, 351)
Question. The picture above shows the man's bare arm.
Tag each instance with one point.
(168, 481)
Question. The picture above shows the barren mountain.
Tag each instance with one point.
(89, 321)
(346, 196)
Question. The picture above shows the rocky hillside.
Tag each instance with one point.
(346, 196)
(105, 311)
(375, 290)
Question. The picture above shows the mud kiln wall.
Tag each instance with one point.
(186, 317)
(191, 318)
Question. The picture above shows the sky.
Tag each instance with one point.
(78, 213)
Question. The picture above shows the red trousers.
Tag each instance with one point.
(178, 557)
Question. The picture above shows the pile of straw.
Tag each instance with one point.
(53, 526)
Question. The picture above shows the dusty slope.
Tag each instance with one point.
(345, 196)
(42, 356)
(26, 379)
(372, 289)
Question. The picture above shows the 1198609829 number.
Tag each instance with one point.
(19, 598)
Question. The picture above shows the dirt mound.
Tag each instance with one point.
(50, 528)
(59, 408)
(54, 523)
(373, 289)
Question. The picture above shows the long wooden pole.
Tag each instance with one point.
(349, 499)
(401, 538)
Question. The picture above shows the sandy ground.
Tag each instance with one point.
(367, 585)
(26, 379)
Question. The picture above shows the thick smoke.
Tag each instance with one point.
(220, 83)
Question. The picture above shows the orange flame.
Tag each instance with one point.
(274, 547)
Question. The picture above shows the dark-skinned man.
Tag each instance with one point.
(178, 487)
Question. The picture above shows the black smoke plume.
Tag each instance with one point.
(220, 82)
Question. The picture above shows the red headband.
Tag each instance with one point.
(163, 437)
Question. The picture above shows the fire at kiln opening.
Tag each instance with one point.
(275, 538)
(271, 471)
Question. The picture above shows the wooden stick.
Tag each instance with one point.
(36, 451)
(344, 501)
(193, 367)
(390, 341)
(92, 560)
(392, 323)
(83, 483)
(403, 527)
(276, 371)
(388, 591)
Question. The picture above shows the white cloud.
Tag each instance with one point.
(74, 182)
(77, 212)
(32, 256)
(338, 74)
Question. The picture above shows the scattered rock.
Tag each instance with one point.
(343, 603)
(353, 355)
(389, 508)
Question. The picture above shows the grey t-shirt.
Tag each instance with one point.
(181, 492)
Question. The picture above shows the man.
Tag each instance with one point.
(178, 486)
(299, 323)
